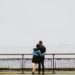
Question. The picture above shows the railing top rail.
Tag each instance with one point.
(45, 54)
(60, 54)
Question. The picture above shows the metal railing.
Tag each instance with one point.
(53, 61)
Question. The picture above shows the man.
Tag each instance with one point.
(42, 57)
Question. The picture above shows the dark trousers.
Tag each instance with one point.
(41, 64)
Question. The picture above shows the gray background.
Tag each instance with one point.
(24, 22)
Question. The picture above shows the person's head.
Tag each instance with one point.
(40, 42)
(37, 46)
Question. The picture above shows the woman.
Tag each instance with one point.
(35, 59)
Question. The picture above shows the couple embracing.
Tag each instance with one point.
(38, 57)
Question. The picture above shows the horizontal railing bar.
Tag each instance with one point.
(45, 54)
(31, 58)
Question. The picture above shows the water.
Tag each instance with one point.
(27, 63)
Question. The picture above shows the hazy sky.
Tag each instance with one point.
(24, 22)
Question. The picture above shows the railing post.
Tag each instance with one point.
(53, 64)
(22, 64)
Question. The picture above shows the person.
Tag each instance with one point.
(42, 48)
(35, 59)
(38, 57)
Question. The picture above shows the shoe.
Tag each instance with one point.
(42, 72)
(38, 72)
(33, 73)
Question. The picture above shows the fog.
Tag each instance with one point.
(24, 22)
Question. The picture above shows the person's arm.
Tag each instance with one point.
(34, 52)
(39, 52)
(44, 51)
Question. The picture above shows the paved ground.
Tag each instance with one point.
(46, 73)
(37, 74)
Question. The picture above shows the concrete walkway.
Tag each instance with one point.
(46, 73)
(35, 74)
